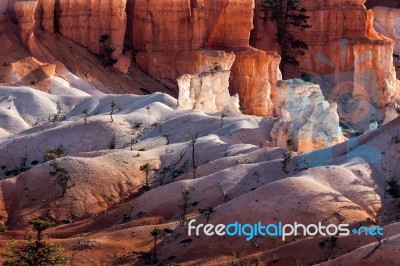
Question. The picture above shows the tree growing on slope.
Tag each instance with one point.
(155, 233)
(146, 168)
(106, 51)
(61, 175)
(37, 251)
(287, 14)
(184, 205)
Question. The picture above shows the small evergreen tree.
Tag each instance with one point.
(184, 205)
(207, 212)
(114, 106)
(167, 137)
(61, 175)
(36, 252)
(146, 168)
(106, 51)
(86, 115)
(155, 233)
(286, 14)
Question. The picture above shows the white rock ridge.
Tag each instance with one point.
(307, 122)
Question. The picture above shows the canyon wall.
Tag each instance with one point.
(344, 50)
(387, 22)
(81, 21)
(177, 37)
(168, 39)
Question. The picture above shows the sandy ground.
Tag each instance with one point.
(236, 174)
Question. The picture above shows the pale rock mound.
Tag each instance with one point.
(209, 90)
(307, 122)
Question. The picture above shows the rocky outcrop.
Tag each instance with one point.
(81, 21)
(23, 13)
(209, 90)
(387, 22)
(343, 48)
(170, 40)
(85, 21)
(44, 15)
(254, 77)
(178, 37)
(307, 121)
(167, 40)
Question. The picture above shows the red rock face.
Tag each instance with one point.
(23, 13)
(342, 46)
(253, 78)
(81, 21)
(170, 39)
(85, 21)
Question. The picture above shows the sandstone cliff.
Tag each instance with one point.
(343, 48)
(170, 40)
(387, 22)
(180, 37)
(81, 21)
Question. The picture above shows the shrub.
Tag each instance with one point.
(62, 177)
(167, 137)
(396, 139)
(287, 157)
(3, 228)
(106, 51)
(113, 144)
(56, 153)
(215, 66)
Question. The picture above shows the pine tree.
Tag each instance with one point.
(287, 14)
(37, 252)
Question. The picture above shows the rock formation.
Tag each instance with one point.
(81, 21)
(179, 37)
(209, 90)
(387, 22)
(85, 21)
(23, 13)
(170, 39)
(307, 122)
(343, 49)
